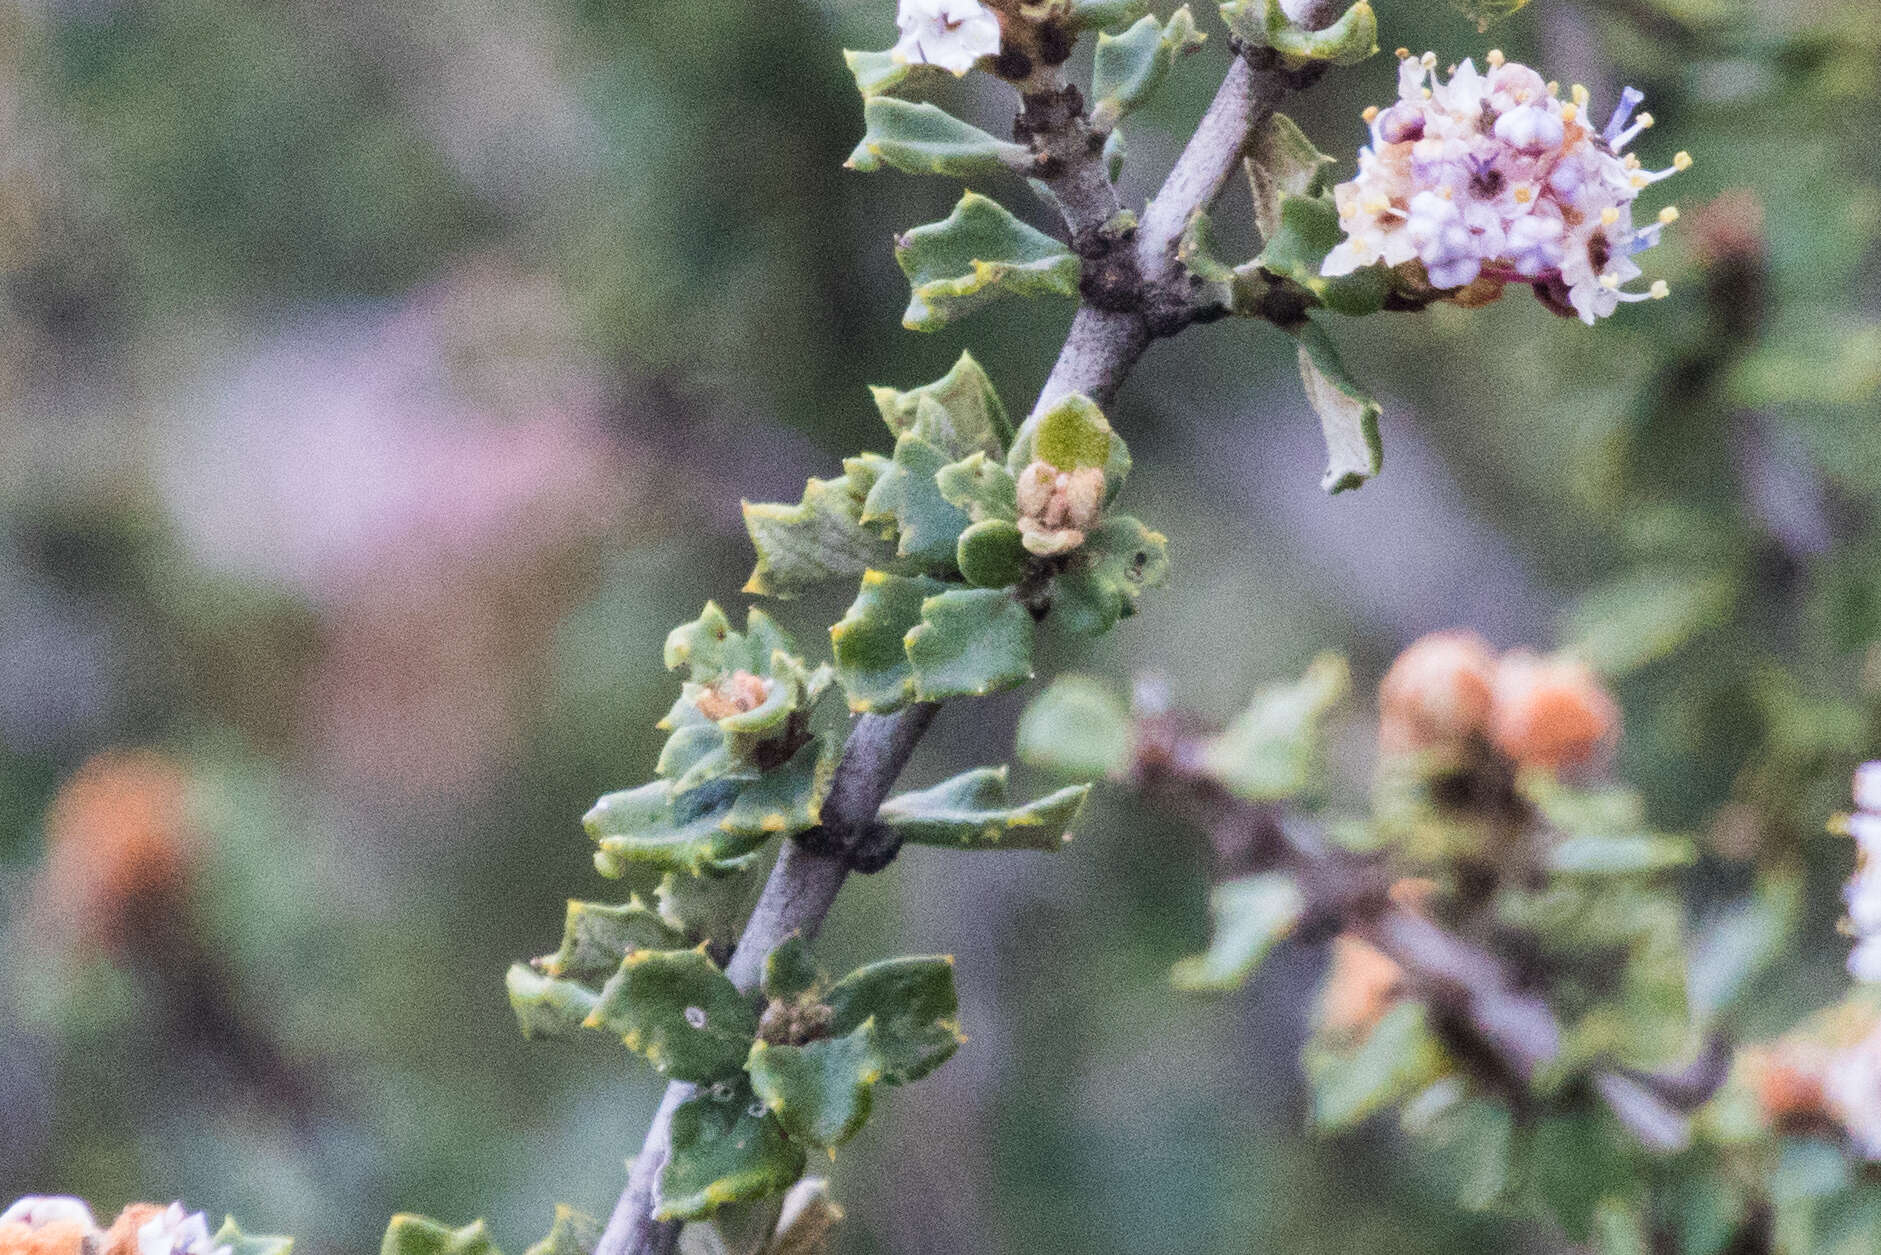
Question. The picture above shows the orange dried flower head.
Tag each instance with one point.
(1436, 693)
(1550, 712)
(117, 833)
(736, 694)
(1360, 987)
(1786, 1080)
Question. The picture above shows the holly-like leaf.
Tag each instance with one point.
(975, 418)
(420, 1235)
(992, 554)
(727, 1148)
(981, 486)
(970, 642)
(598, 935)
(1348, 416)
(819, 1092)
(231, 1239)
(868, 641)
(911, 1004)
(977, 254)
(1348, 41)
(880, 73)
(547, 1006)
(1107, 574)
(1131, 66)
(785, 800)
(709, 648)
(572, 1233)
(1399, 1057)
(676, 1008)
(790, 971)
(1271, 750)
(1251, 914)
(973, 811)
(1079, 728)
(1075, 430)
(1282, 162)
(929, 526)
(926, 139)
(821, 537)
(648, 826)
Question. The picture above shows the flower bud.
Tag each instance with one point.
(1360, 987)
(1436, 693)
(1551, 713)
(1057, 508)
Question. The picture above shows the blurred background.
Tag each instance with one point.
(378, 382)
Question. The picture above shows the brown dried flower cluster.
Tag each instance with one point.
(1057, 508)
(1450, 688)
(736, 694)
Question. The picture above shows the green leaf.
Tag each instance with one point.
(868, 641)
(1466, 1141)
(1628, 855)
(981, 486)
(992, 554)
(679, 1011)
(1399, 1057)
(1348, 417)
(1578, 1164)
(1213, 278)
(1105, 14)
(972, 811)
(1073, 428)
(648, 826)
(1079, 728)
(1486, 13)
(789, 971)
(598, 935)
(880, 73)
(912, 1005)
(970, 642)
(1348, 41)
(1282, 162)
(975, 417)
(1107, 574)
(572, 1233)
(726, 1149)
(710, 649)
(1308, 230)
(420, 1235)
(546, 1006)
(785, 800)
(1131, 66)
(820, 538)
(977, 254)
(1271, 750)
(928, 525)
(231, 1238)
(926, 139)
(1115, 150)
(1735, 945)
(1251, 914)
(819, 1092)
(1648, 615)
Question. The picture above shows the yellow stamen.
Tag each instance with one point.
(1580, 95)
(1639, 180)
(1569, 112)
(1644, 121)
(1523, 195)
(1403, 54)
(1609, 216)
(1682, 160)
(1610, 282)
(1495, 58)
(1660, 290)
(1371, 114)
(1554, 88)
(1669, 215)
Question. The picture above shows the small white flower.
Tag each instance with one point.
(37, 1210)
(1495, 177)
(175, 1232)
(952, 34)
(1868, 787)
(1862, 894)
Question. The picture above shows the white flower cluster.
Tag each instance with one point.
(952, 34)
(1863, 893)
(36, 1211)
(1852, 1087)
(1495, 177)
(176, 1232)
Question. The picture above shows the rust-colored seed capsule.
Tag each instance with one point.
(1436, 693)
(1550, 712)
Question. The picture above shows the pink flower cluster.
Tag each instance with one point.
(1494, 178)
